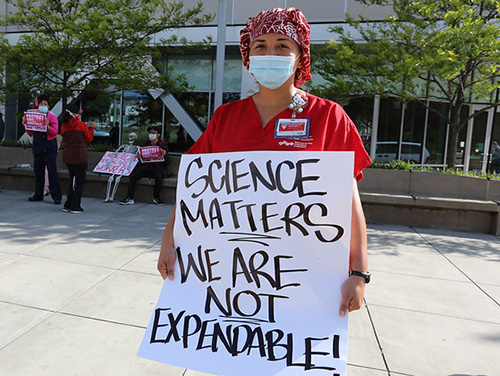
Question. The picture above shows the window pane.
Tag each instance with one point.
(436, 132)
(103, 108)
(389, 119)
(360, 110)
(477, 146)
(194, 69)
(413, 133)
(495, 137)
(462, 139)
(232, 75)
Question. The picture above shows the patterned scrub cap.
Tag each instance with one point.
(290, 22)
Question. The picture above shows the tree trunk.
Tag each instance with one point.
(452, 147)
(455, 127)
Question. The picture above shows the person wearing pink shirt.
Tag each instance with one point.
(45, 153)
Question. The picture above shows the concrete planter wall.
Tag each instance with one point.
(429, 184)
(446, 185)
(494, 190)
(391, 182)
(12, 156)
(385, 181)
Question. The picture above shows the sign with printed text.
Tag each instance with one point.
(150, 154)
(116, 163)
(292, 128)
(35, 121)
(262, 242)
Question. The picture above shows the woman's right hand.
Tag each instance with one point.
(167, 257)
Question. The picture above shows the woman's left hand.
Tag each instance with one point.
(353, 291)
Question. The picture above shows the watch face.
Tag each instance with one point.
(366, 276)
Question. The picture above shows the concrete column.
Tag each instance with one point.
(221, 53)
(468, 140)
(376, 114)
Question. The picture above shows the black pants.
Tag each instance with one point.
(145, 172)
(495, 166)
(40, 161)
(75, 192)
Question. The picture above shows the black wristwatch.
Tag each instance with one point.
(367, 276)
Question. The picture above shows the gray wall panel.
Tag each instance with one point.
(320, 10)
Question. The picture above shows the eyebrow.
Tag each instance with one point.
(278, 40)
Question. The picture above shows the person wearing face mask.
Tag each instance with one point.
(76, 135)
(45, 153)
(155, 170)
(275, 48)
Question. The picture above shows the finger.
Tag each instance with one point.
(354, 305)
(170, 269)
(344, 306)
(162, 268)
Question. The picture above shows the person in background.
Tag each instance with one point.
(495, 158)
(76, 135)
(46, 187)
(155, 170)
(275, 48)
(45, 153)
(114, 134)
(2, 127)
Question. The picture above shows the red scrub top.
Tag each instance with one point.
(236, 126)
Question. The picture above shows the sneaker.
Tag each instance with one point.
(34, 198)
(77, 211)
(158, 201)
(66, 210)
(107, 200)
(127, 201)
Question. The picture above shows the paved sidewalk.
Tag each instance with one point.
(77, 290)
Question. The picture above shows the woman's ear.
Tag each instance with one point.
(299, 60)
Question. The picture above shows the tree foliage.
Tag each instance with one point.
(66, 44)
(447, 50)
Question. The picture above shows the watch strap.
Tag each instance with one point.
(366, 276)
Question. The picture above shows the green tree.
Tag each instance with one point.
(65, 45)
(439, 49)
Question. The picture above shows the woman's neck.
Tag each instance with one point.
(269, 103)
(275, 98)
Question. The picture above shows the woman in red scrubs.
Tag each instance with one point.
(275, 48)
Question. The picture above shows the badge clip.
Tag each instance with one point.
(298, 104)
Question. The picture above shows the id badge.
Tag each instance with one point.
(291, 128)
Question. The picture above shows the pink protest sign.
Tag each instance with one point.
(35, 121)
(116, 164)
(150, 154)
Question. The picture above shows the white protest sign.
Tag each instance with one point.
(116, 163)
(262, 242)
(35, 121)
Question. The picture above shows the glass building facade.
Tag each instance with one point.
(389, 128)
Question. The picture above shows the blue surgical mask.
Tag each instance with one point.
(43, 109)
(271, 71)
